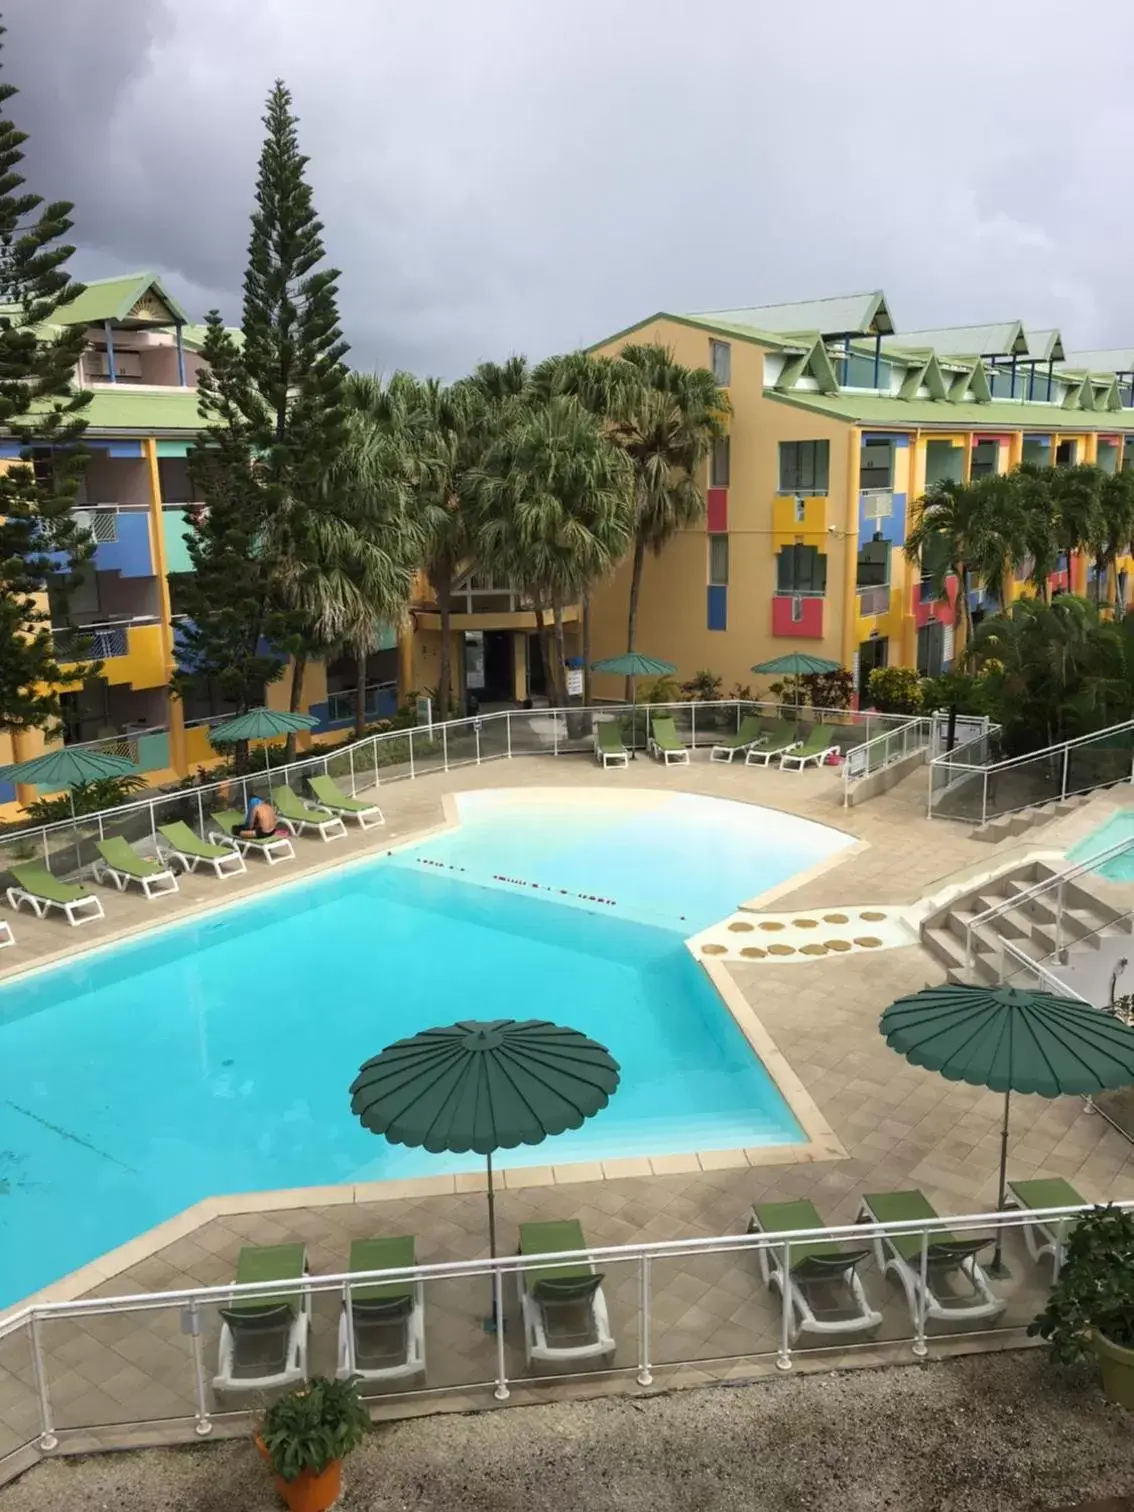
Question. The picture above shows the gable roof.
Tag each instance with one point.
(995, 340)
(129, 298)
(843, 314)
(1045, 346)
(898, 414)
(1114, 360)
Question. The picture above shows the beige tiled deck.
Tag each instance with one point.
(899, 1126)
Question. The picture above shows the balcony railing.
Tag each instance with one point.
(99, 642)
(341, 705)
(874, 600)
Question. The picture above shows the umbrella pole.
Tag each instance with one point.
(1002, 1188)
(494, 1323)
(491, 1209)
(75, 830)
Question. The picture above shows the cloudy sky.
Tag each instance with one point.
(519, 175)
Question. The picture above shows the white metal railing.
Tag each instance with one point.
(96, 642)
(340, 705)
(874, 600)
(117, 745)
(396, 755)
(1014, 963)
(1021, 782)
(884, 750)
(1056, 883)
(493, 1362)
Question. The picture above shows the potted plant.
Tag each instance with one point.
(1091, 1307)
(304, 1435)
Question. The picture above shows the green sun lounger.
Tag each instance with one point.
(817, 746)
(332, 797)
(780, 738)
(750, 733)
(949, 1259)
(273, 848)
(42, 892)
(1046, 1236)
(665, 742)
(822, 1281)
(121, 863)
(179, 843)
(297, 816)
(263, 1340)
(564, 1309)
(386, 1319)
(610, 748)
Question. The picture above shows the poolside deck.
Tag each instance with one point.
(899, 1126)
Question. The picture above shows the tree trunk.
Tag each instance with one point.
(360, 693)
(298, 668)
(560, 655)
(586, 648)
(445, 672)
(964, 622)
(635, 590)
(545, 651)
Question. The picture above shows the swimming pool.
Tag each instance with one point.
(215, 1057)
(1118, 828)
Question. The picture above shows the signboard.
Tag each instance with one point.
(574, 682)
(424, 711)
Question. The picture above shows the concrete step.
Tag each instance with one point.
(946, 946)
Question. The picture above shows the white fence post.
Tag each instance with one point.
(920, 1348)
(783, 1356)
(501, 1393)
(645, 1374)
(47, 1436)
(445, 746)
(508, 727)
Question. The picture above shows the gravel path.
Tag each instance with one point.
(1000, 1431)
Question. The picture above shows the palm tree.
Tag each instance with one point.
(1114, 535)
(665, 417)
(556, 510)
(1060, 514)
(966, 531)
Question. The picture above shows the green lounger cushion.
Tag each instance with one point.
(569, 1282)
(183, 839)
(389, 1253)
(812, 1256)
(665, 735)
(1046, 1192)
(37, 880)
(327, 790)
(819, 739)
(914, 1207)
(230, 821)
(269, 1262)
(118, 853)
(292, 807)
(749, 733)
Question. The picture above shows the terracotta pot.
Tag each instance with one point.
(1117, 1367)
(307, 1492)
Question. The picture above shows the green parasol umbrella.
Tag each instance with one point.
(796, 664)
(261, 724)
(632, 665)
(68, 768)
(484, 1086)
(1011, 1041)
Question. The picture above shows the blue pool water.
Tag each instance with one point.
(1116, 829)
(215, 1056)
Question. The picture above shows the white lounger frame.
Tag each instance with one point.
(266, 848)
(611, 758)
(329, 829)
(679, 757)
(220, 864)
(157, 885)
(536, 1346)
(294, 1370)
(818, 757)
(985, 1304)
(803, 1317)
(41, 906)
(765, 755)
(414, 1362)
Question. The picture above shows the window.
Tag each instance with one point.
(720, 360)
(1108, 456)
(804, 467)
(719, 464)
(986, 455)
(718, 559)
(801, 569)
(876, 464)
(873, 563)
(800, 512)
(1065, 454)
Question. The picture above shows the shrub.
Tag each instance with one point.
(702, 687)
(742, 692)
(895, 690)
(87, 798)
(316, 1423)
(1095, 1289)
(830, 690)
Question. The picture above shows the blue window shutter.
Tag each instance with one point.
(718, 607)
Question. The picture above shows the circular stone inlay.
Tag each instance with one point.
(771, 924)
(835, 919)
(868, 942)
(781, 949)
(714, 949)
(814, 949)
(872, 916)
(753, 953)
(837, 944)
(806, 923)
(739, 928)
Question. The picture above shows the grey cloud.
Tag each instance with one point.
(508, 175)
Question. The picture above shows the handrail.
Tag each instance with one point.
(857, 761)
(1063, 745)
(1057, 881)
(1037, 968)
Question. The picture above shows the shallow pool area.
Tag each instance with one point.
(1117, 829)
(215, 1056)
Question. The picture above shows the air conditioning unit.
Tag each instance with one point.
(96, 364)
(128, 365)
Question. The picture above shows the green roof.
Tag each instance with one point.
(1047, 346)
(134, 412)
(999, 415)
(193, 336)
(855, 314)
(1114, 360)
(995, 340)
(114, 298)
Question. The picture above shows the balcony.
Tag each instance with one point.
(480, 603)
(873, 601)
(147, 749)
(122, 538)
(130, 650)
(381, 703)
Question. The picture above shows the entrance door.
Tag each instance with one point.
(931, 649)
(871, 654)
(498, 669)
(537, 673)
